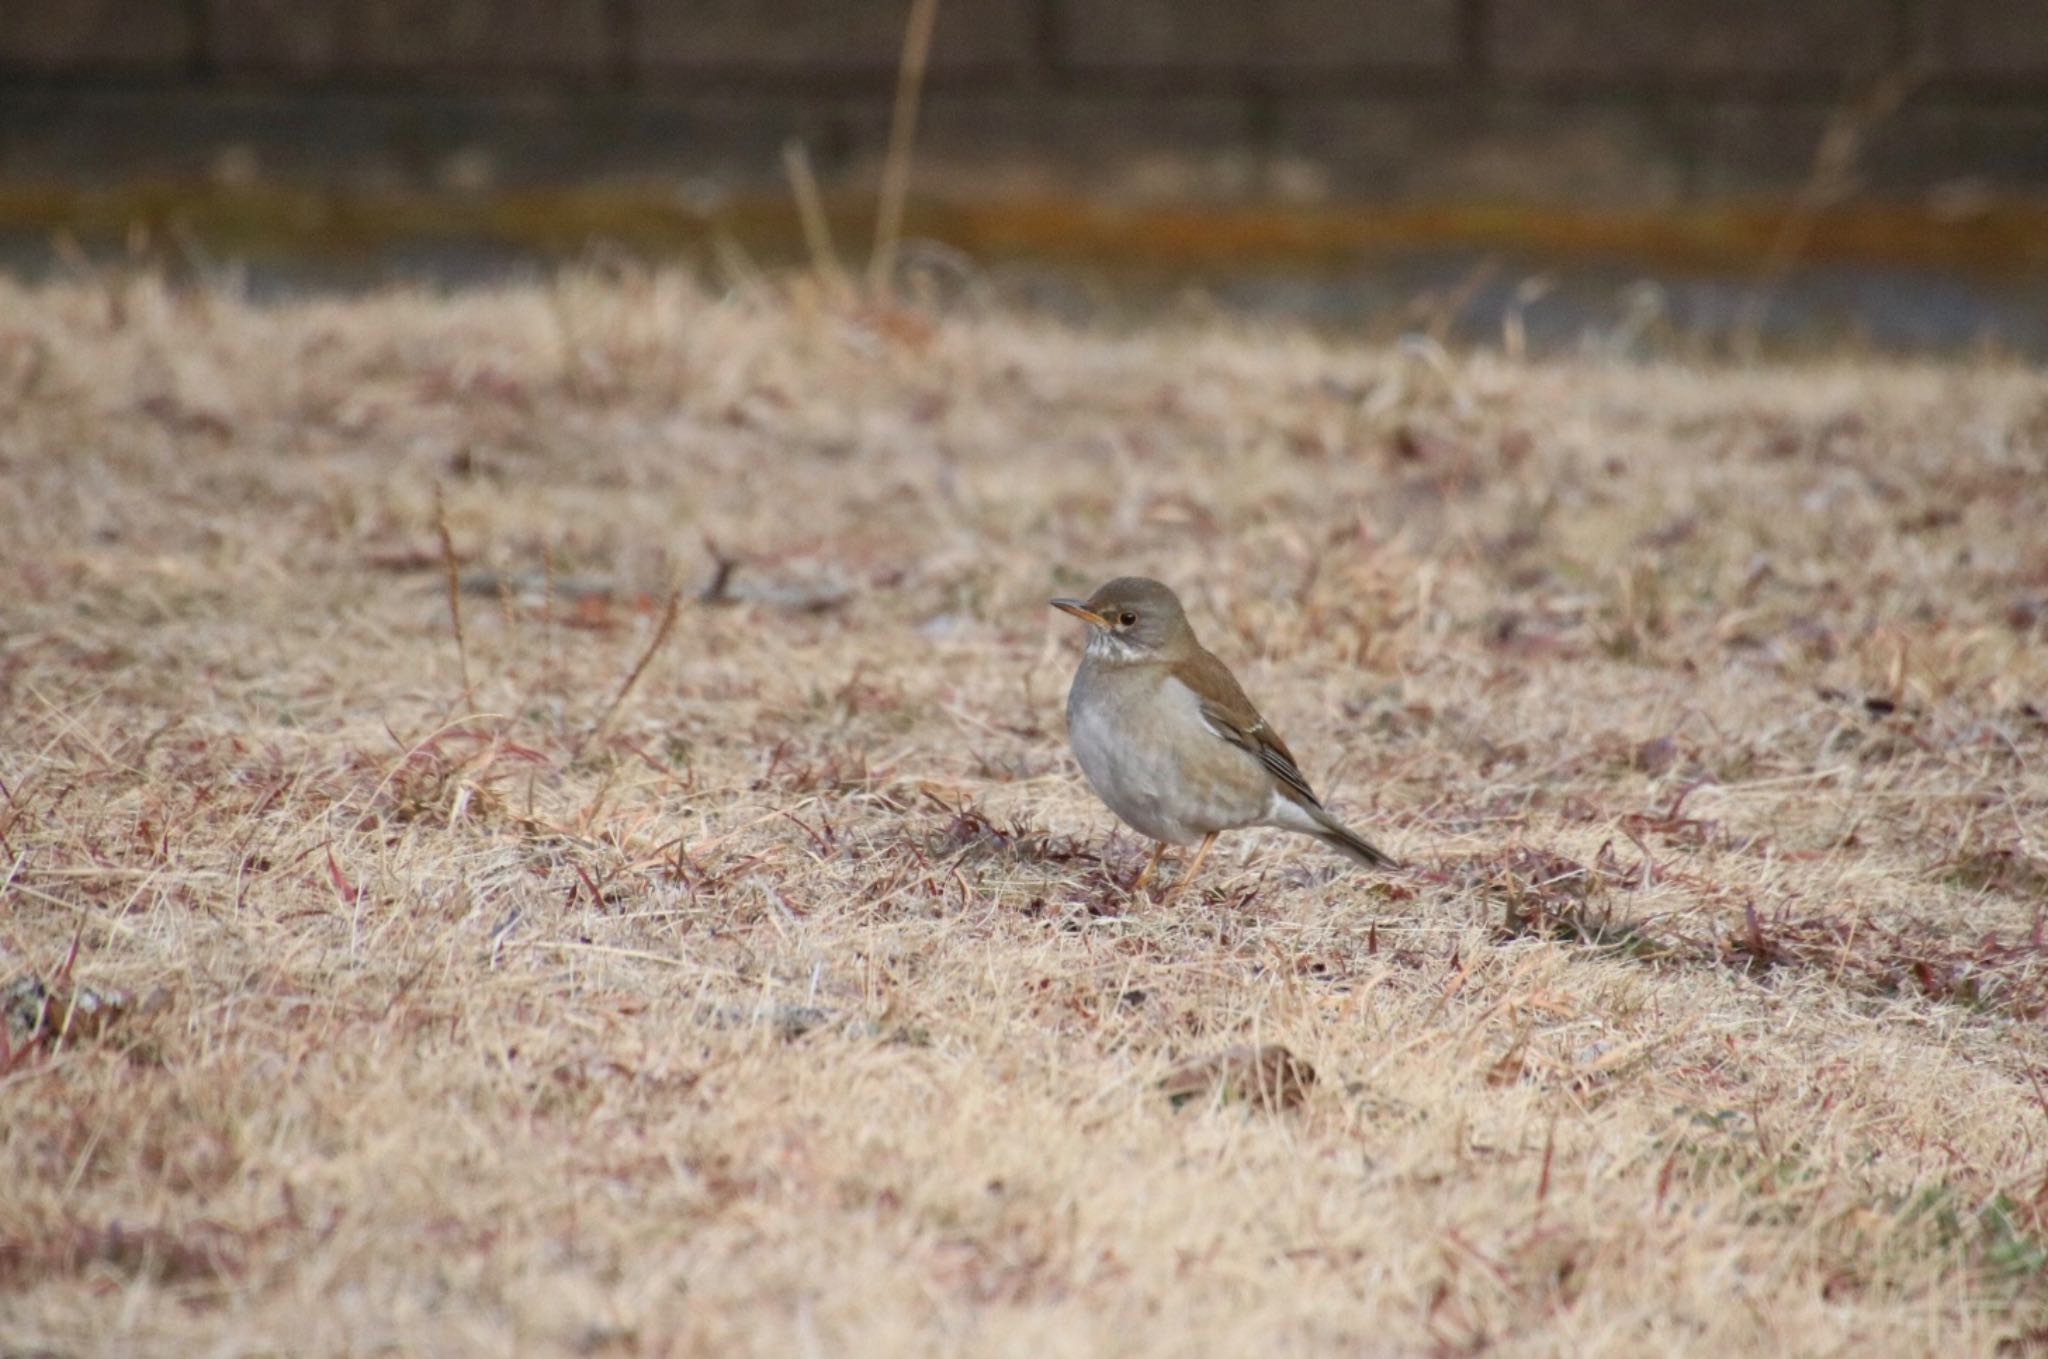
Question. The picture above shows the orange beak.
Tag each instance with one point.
(1080, 610)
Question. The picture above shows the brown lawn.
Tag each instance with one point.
(760, 979)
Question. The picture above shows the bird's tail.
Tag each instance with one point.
(1346, 841)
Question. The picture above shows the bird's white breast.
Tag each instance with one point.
(1141, 739)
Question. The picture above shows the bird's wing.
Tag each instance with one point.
(1230, 715)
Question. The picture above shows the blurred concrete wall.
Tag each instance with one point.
(1621, 101)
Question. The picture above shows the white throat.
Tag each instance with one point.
(1104, 645)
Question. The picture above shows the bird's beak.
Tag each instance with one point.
(1081, 611)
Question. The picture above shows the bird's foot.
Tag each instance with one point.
(1194, 866)
(1145, 874)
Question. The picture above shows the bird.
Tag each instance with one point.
(1168, 739)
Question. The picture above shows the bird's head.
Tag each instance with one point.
(1131, 619)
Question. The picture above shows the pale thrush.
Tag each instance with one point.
(1168, 739)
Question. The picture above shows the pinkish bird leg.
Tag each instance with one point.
(1194, 867)
(1151, 865)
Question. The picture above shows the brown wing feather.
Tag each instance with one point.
(1226, 708)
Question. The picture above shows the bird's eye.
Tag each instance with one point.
(1127, 618)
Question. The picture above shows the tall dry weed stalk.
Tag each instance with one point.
(895, 187)
(1831, 181)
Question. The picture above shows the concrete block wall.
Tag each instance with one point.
(1568, 100)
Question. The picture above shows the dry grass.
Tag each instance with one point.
(786, 1000)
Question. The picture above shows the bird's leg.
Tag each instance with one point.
(1145, 874)
(1194, 866)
